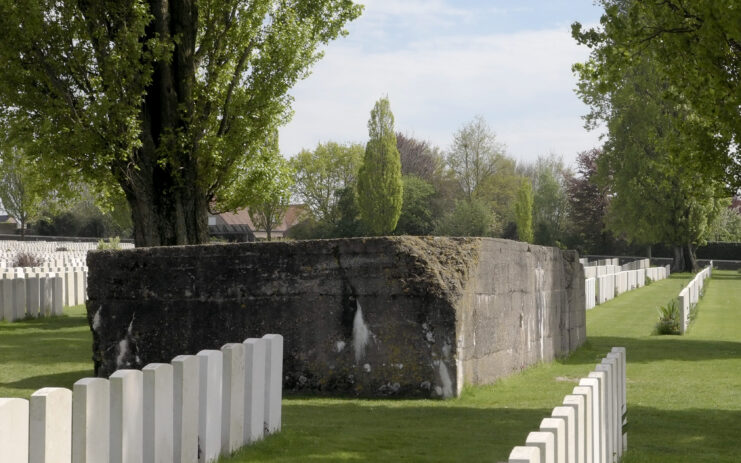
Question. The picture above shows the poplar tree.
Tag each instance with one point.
(380, 188)
(524, 212)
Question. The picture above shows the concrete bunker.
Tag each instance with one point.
(389, 316)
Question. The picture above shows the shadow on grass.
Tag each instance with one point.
(376, 431)
(655, 348)
(43, 323)
(726, 276)
(66, 379)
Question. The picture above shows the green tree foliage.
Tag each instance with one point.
(322, 174)
(23, 190)
(653, 164)
(263, 185)
(524, 212)
(500, 188)
(694, 48)
(474, 156)
(468, 218)
(550, 203)
(167, 100)
(726, 226)
(85, 218)
(380, 189)
(416, 211)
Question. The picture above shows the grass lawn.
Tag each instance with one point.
(684, 393)
(44, 352)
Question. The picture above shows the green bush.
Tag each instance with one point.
(669, 318)
(648, 281)
(112, 244)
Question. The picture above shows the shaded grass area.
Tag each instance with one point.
(684, 393)
(44, 352)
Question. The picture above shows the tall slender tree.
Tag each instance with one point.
(380, 188)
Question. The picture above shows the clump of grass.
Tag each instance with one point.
(26, 259)
(113, 243)
(669, 318)
(648, 280)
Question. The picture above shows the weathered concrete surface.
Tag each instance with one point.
(406, 316)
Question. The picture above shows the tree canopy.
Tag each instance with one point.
(694, 47)
(166, 100)
(380, 187)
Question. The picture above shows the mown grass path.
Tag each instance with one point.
(684, 393)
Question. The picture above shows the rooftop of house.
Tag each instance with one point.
(242, 217)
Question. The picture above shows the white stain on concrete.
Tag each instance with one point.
(339, 346)
(447, 384)
(96, 319)
(360, 334)
(123, 349)
(540, 305)
(367, 367)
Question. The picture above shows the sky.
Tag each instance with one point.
(443, 62)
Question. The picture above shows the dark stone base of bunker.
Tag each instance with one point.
(370, 317)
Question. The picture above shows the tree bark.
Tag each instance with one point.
(691, 261)
(678, 262)
(169, 206)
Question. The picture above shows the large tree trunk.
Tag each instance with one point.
(169, 204)
(691, 260)
(678, 262)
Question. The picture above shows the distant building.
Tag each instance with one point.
(239, 227)
(8, 225)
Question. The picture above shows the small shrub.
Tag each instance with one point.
(61, 249)
(648, 280)
(669, 318)
(112, 244)
(26, 259)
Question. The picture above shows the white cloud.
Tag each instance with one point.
(520, 82)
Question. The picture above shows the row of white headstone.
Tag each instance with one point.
(608, 286)
(589, 426)
(690, 295)
(194, 409)
(40, 291)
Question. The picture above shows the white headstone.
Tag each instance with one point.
(46, 291)
(567, 413)
(6, 300)
(523, 454)
(578, 403)
(233, 394)
(593, 385)
(58, 295)
(544, 441)
(126, 416)
(90, 420)
(50, 426)
(19, 298)
(601, 377)
(273, 382)
(586, 394)
(209, 400)
(14, 430)
(254, 374)
(33, 299)
(556, 426)
(158, 413)
(186, 382)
